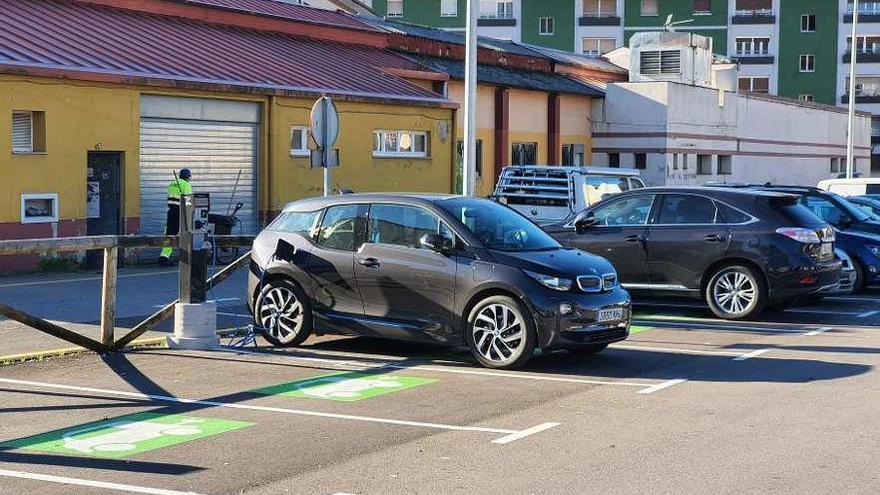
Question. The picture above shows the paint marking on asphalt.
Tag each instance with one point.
(847, 298)
(63, 480)
(299, 412)
(817, 331)
(698, 324)
(750, 355)
(868, 314)
(83, 279)
(238, 315)
(822, 312)
(524, 433)
(514, 375)
(662, 386)
(674, 350)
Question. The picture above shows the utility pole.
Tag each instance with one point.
(853, 54)
(469, 174)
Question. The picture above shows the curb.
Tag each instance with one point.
(70, 351)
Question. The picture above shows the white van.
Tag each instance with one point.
(859, 186)
(548, 194)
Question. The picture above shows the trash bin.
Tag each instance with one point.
(222, 223)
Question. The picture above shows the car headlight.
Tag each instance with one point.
(875, 250)
(551, 282)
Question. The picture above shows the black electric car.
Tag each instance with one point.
(739, 250)
(431, 268)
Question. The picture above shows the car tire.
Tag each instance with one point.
(494, 340)
(736, 292)
(290, 325)
(859, 283)
(588, 350)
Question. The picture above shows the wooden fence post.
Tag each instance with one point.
(108, 297)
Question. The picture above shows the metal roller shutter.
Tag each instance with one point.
(215, 152)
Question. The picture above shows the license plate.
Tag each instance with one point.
(610, 314)
(827, 249)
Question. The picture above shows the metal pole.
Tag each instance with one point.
(325, 151)
(469, 174)
(853, 54)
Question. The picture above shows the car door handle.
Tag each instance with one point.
(368, 262)
(714, 238)
(634, 238)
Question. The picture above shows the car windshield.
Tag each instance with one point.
(497, 226)
(853, 210)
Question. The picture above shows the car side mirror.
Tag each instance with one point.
(583, 221)
(437, 243)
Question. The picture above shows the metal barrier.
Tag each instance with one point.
(111, 246)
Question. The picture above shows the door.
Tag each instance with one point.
(103, 199)
(684, 239)
(409, 287)
(331, 262)
(619, 235)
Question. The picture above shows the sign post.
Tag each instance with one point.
(324, 129)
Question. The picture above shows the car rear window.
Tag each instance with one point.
(797, 214)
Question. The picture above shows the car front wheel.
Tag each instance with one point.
(283, 313)
(501, 333)
(736, 293)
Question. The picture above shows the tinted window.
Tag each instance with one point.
(498, 227)
(727, 214)
(402, 225)
(339, 228)
(686, 209)
(629, 211)
(824, 209)
(597, 187)
(297, 222)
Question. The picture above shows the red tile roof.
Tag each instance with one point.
(70, 37)
(287, 11)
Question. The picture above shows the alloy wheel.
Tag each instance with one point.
(734, 292)
(498, 333)
(281, 314)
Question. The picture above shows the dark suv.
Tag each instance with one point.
(442, 269)
(737, 249)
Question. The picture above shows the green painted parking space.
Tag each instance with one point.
(634, 329)
(126, 436)
(345, 386)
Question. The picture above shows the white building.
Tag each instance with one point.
(681, 121)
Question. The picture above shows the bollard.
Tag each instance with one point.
(195, 327)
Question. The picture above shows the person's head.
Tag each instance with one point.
(185, 174)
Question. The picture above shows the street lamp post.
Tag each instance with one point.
(853, 54)
(469, 174)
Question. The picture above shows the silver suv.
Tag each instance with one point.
(548, 194)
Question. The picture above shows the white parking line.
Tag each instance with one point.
(750, 355)
(847, 298)
(675, 350)
(524, 433)
(661, 386)
(298, 412)
(817, 331)
(822, 312)
(868, 314)
(83, 279)
(239, 315)
(90, 483)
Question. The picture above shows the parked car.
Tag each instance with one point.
(857, 232)
(870, 204)
(739, 250)
(431, 268)
(548, 194)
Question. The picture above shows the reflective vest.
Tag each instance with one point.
(175, 189)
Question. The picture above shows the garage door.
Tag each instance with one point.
(221, 155)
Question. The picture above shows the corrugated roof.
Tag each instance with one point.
(577, 59)
(289, 11)
(62, 35)
(515, 78)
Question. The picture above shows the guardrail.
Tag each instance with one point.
(111, 246)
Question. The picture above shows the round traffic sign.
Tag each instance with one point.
(324, 123)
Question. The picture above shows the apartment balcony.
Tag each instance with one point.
(754, 58)
(863, 97)
(496, 20)
(753, 17)
(868, 12)
(599, 20)
(870, 57)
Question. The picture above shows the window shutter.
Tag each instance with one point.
(754, 4)
(702, 5)
(22, 132)
(591, 7)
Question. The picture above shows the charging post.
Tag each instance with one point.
(195, 319)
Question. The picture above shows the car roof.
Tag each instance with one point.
(738, 192)
(585, 170)
(320, 202)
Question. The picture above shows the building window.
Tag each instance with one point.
(875, 126)
(752, 47)
(392, 144)
(496, 9)
(865, 86)
(28, 132)
(448, 8)
(835, 165)
(641, 161)
(808, 23)
(660, 62)
(675, 161)
(600, 8)
(614, 160)
(704, 164)
(808, 63)
(869, 8)
(598, 46)
(39, 208)
(649, 7)
(754, 84)
(546, 26)
(864, 44)
(754, 7)
(806, 98)
(299, 141)
(479, 157)
(725, 165)
(684, 161)
(702, 7)
(524, 153)
(573, 155)
(395, 8)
